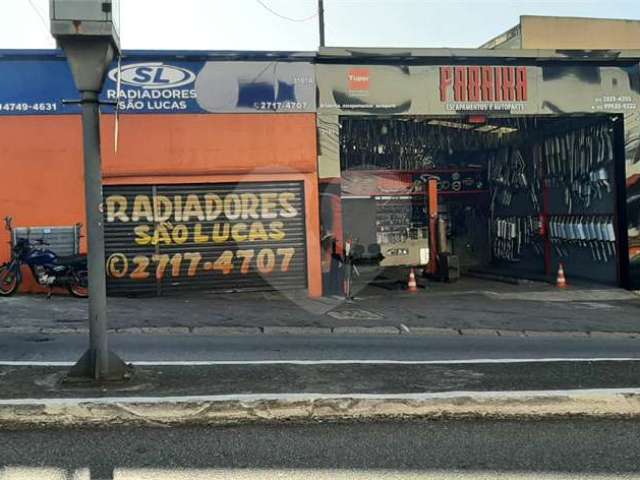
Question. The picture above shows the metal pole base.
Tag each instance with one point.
(85, 369)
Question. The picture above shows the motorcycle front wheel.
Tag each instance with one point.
(79, 287)
(8, 281)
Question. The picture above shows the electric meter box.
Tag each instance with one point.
(93, 18)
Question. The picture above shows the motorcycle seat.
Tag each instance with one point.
(75, 260)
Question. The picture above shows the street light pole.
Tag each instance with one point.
(86, 57)
(321, 21)
(86, 31)
(98, 344)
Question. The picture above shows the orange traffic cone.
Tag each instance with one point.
(561, 282)
(412, 286)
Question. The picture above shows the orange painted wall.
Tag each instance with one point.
(42, 174)
(210, 144)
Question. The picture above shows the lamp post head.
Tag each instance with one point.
(88, 32)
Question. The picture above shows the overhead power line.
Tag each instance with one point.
(284, 17)
(44, 22)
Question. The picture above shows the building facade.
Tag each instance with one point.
(536, 154)
(211, 181)
(249, 171)
(568, 33)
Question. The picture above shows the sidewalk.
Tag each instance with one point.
(468, 307)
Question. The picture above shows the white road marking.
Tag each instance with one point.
(297, 397)
(16, 472)
(200, 363)
(350, 474)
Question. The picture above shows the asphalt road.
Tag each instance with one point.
(577, 448)
(68, 348)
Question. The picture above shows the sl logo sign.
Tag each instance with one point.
(153, 75)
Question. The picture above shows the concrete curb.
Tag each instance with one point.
(377, 330)
(227, 409)
(316, 330)
(297, 330)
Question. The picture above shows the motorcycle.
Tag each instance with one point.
(49, 269)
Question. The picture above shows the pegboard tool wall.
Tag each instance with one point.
(576, 193)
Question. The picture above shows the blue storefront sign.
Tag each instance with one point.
(161, 85)
(154, 87)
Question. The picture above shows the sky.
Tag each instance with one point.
(250, 25)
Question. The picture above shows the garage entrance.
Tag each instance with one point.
(219, 237)
(516, 196)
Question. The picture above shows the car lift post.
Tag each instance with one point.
(431, 190)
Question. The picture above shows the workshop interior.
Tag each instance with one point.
(515, 197)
